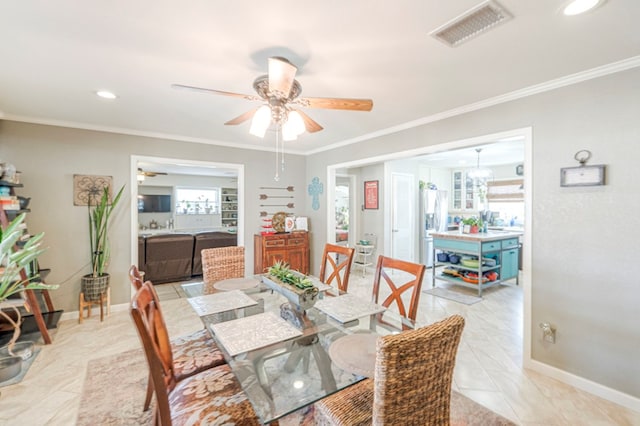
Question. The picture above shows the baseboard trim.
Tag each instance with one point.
(587, 385)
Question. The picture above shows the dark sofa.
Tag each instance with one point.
(174, 257)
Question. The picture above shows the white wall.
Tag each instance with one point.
(582, 249)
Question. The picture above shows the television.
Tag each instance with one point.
(148, 203)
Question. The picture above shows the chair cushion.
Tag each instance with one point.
(194, 353)
(211, 397)
(352, 406)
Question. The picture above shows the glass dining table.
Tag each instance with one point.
(286, 358)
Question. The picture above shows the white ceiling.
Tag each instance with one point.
(55, 55)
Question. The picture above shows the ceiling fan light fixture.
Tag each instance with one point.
(294, 119)
(288, 133)
(140, 177)
(281, 76)
(261, 121)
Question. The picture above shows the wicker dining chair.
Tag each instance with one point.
(333, 269)
(211, 396)
(388, 270)
(221, 263)
(192, 353)
(411, 384)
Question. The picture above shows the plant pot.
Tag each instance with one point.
(474, 229)
(466, 229)
(92, 287)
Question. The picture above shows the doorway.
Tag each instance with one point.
(179, 166)
(521, 134)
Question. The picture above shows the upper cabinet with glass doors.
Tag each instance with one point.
(462, 193)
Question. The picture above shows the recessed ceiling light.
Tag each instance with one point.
(576, 7)
(106, 94)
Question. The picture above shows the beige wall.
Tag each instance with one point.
(49, 157)
(583, 252)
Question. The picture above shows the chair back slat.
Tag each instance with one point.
(333, 269)
(416, 386)
(386, 270)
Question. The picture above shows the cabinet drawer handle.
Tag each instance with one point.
(276, 243)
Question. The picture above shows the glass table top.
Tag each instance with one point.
(283, 374)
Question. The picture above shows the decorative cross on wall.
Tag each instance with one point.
(315, 189)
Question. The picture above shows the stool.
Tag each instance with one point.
(104, 298)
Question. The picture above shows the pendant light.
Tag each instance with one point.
(480, 173)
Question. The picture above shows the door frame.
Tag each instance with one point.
(524, 133)
(133, 192)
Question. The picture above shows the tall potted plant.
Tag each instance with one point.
(12, 262)
(96, 283)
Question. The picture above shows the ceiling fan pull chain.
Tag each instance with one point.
(277, 176)
(282, 153)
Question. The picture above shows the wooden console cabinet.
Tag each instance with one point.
(292, 248)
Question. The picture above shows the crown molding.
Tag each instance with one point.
(557, 83)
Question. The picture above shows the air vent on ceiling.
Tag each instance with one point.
(471, 23)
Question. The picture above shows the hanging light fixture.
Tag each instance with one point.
(480, 173)
(289, 125)
(140, 176)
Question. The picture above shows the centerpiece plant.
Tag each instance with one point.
(96, 283)
(18, 258)
(284, 273)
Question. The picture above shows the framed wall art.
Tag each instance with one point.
(371, 194)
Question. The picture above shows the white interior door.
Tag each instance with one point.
(403, 216)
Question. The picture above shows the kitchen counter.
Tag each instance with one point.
(491, 235)
(163, 231)
(497, 250)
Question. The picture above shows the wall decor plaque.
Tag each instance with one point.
(89, 188)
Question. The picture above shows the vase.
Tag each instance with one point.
(92, 287)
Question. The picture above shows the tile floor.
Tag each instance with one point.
(488, 370)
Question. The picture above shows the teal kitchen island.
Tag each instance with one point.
(496, 251)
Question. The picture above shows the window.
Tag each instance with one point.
(198, 200)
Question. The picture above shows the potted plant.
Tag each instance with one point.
(95, 284)
(14, 281)
(470, 225)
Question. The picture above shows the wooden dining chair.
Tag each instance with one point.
(192, 353)
(333, 269)
(210, 397)
(391, 271)
(221, 263)
(411, 383)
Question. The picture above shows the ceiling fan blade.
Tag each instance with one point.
(309, 123)
(336, 103)
(216, 92)
(281, 76)
(154, 174)
(241, 118)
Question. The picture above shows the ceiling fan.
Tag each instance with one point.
(280, 93)
(149, 174)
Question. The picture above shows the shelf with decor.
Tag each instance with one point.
(229, 206)
(38, 313)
